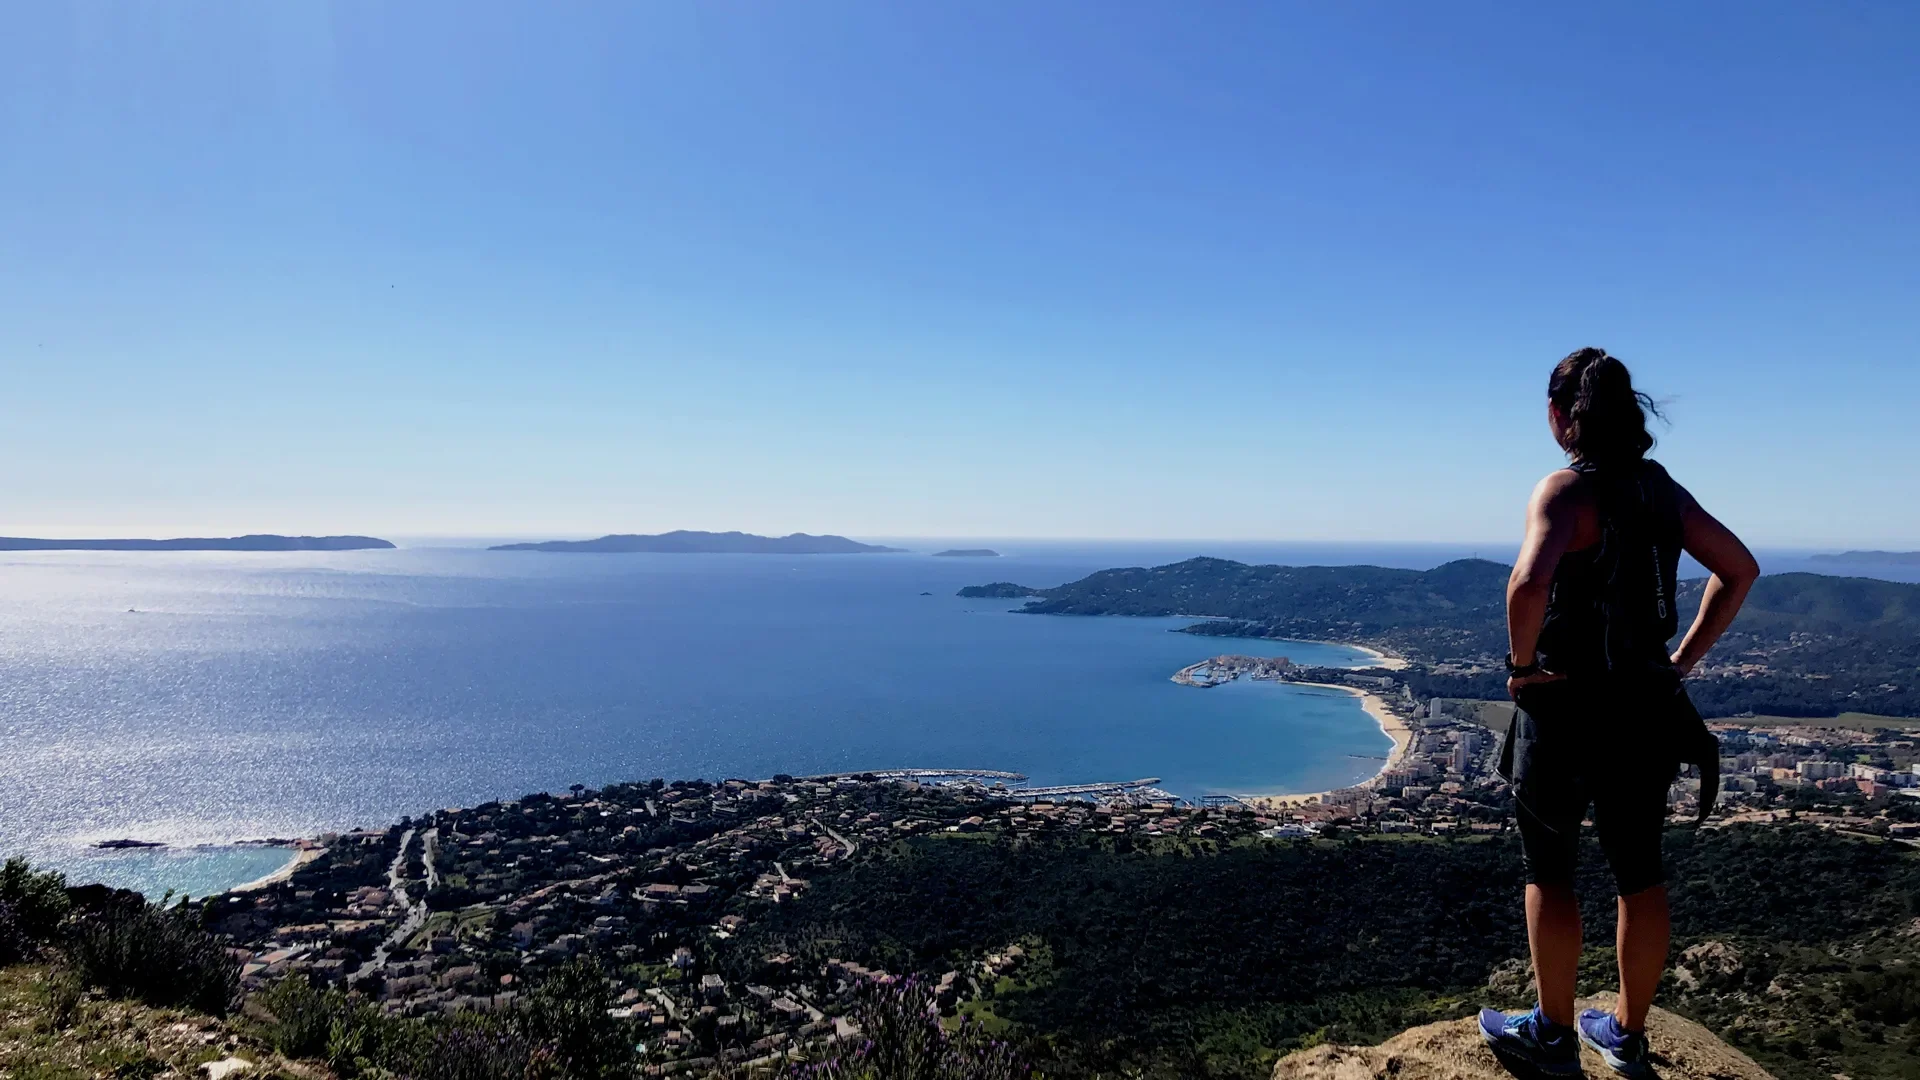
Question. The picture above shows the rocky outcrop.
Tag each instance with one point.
(1683, 1050)
(1706, 963)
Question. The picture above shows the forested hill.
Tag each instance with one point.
(1817, 603)
(1804, 644)
(1451, 610)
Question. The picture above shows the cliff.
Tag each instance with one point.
(1453, 1050)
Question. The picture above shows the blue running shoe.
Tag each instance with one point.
(1625, 1052)
(1532, 1039)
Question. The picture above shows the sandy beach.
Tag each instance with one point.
(1380, 659)
(1394, 728)
(299, 858)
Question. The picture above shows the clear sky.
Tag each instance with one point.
(1235, 270)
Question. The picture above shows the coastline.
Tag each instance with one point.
(1391, 725)
(301, 857)
(1381, 660)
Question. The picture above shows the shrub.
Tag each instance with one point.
(300, 1019)
(562, 1032)
(34, 904)
(905, 1041)
(64, 994)
(568, 1011)
(155, 954)
(14, 945)
(476, 1052)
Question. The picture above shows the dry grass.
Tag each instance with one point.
(51, 1031)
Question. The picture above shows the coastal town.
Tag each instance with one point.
(669, 886)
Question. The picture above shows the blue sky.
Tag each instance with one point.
(1240, 270)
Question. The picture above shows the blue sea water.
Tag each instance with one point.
(203, 698)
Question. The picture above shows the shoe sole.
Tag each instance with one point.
(1635, 1070)
(1545, 1070)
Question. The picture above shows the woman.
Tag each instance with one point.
(1590, 609)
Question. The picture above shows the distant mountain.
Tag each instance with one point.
(684, 542)
(251, 542)
(969, 553)
(1870, 558)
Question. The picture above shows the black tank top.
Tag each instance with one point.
(1612, 607)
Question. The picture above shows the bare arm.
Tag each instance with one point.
(1733, 569)
(1552, 519)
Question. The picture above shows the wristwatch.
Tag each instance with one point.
(1521, 670)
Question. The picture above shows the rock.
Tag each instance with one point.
(1452, 1050)
(1512, 980)
(1704, 961)
(225, 1067)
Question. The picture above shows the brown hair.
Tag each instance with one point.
(1606, 417)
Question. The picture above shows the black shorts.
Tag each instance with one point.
(1588, 744)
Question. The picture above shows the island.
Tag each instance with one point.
(968, 553)
(686, 542)
(250, 542)
(1870, 558)
(1000, 590)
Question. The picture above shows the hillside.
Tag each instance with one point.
(51, 1030)
(719, 923)
(685, 542)
(1453, 609)
(1453, 1051)
(1804, 644)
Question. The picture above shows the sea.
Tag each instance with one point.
(199, 699)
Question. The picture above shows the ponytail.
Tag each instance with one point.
(1606, 418)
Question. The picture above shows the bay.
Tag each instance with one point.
(204, 698)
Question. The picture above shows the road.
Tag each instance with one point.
(841, 840)
(397, 884)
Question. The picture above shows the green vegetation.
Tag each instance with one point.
(1451, 610)
(116, 942)
(32, 906)
(159, 955)
(1179, 961)
(1079, 953)
(562, 1030)
(905, 1040)
(52, 1029)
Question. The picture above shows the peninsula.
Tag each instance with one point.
(969, 553)
(1804, 645)
(250, 542)
(685, 542)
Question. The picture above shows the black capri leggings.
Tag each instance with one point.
(1589, 749)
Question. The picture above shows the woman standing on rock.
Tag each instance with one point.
(1602, 719)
